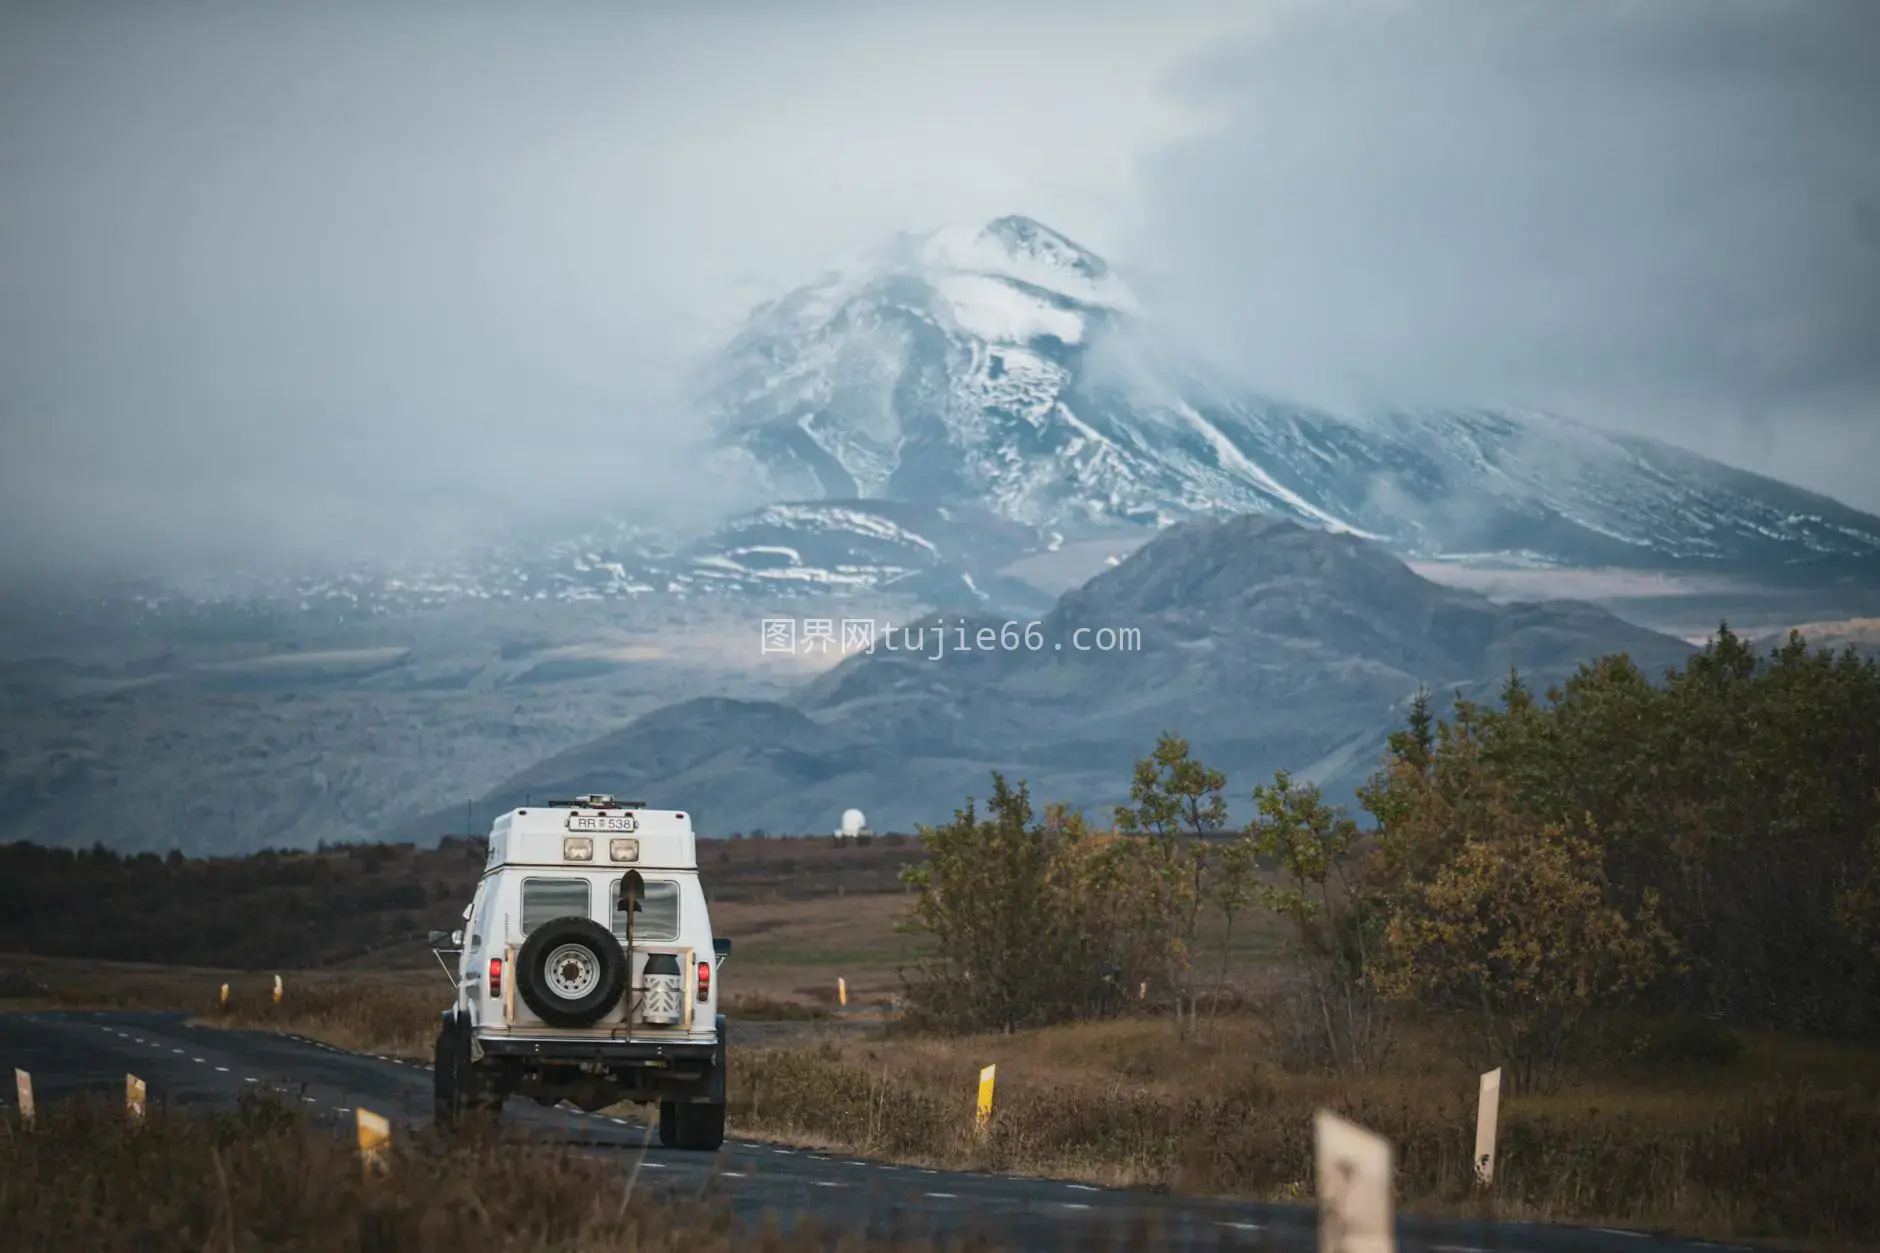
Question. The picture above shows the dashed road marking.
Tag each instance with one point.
(1082, 1187)
(1614, 1231)
(1073, 1205)
(1262, 1227)
(943, 1196)
(830, 1183)
(221, 1070)
(733, 1174)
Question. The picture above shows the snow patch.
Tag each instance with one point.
(1000, 313)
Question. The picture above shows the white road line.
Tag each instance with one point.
(654, 1165)
(1082, 1187)
(1614, 1231)
(222, 1070)
(251, 1079)
(733, 1174)
(944, 1196)
(1262, 1227)
(1073, 1205)
(342, 1109)
(829, 1183)
(199, 1061)
(176, 1050)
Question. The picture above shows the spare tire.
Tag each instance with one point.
(571, 971)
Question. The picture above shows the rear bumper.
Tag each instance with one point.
(562, 1049)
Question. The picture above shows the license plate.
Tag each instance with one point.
(603, 822)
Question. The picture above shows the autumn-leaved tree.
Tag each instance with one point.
(1335, 1016)
(984, 903)
(1516, 932)
(1177, 801)
(1020, 922)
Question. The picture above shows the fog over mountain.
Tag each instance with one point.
(345, 282)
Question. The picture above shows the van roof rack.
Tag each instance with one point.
(596, 800)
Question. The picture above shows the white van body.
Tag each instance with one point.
(564, 1018)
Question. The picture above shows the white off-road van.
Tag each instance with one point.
(587, 972)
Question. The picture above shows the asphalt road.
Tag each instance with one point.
(71, 1052)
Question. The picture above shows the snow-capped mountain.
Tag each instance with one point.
(1008, 367)
(936, 555)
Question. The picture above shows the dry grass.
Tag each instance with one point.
(394, 1016)
(1786, 1142)
(1783, 1141)
(263, 1178)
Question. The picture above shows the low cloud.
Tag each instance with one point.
(288, 283)
(1662, 217)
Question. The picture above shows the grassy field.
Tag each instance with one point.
(1782, 1139)
(264, 1178)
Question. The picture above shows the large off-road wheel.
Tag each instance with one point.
(460, 1093)
(699, 1125)
(702, 1127)
(571, 971)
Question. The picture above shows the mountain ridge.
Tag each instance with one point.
(1266, 643)
(1054, 406)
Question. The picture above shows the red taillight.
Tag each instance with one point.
(704, 981)
(496, 976)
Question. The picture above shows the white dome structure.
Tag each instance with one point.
(853, 824)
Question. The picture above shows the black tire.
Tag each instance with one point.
(702, 1127)
(574, 936)
(669, 1124)
(446, 1108)
(460, 1092)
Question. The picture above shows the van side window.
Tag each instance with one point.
(543, 899)
(658, 919)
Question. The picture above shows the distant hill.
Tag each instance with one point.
(1268, 644)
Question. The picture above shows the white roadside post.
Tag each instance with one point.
(134, 1098)
(23, 1084)
(1353, 1181)
(375, 1134)
(1488, 1106)
(224, 996)
(277, 989)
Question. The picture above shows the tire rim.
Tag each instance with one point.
(572, 971)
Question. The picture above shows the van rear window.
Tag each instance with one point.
(543, 899)
(658, 919)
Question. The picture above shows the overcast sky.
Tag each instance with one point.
(316, 278)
